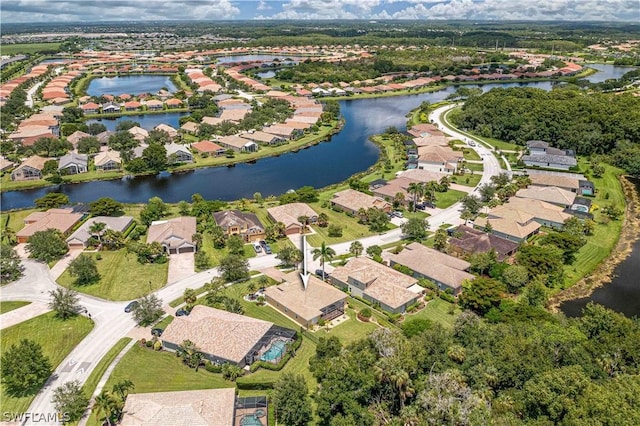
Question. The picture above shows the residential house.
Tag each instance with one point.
(30, 169)
(223, 336)
(73, 163)
(283, 131)
(175, 235)
(177, 153)
(306, 306)
(132, 106)
(288, 214)
(351, 201)
(110, 108)
(190, 127)
(61, 219)
(79, 239)
(390, 189)
(237, 143)
(446, 271)
(90, 108)
(208, 148)
(173, 133)
(543, 155)
(235, 222)
(466, 241)
(103, 137)
(545, 179)
(379, 284)
(107, 160)
(5, 164)
(439, 159)
(173, 103)
(206, 407)
(138, 133)
(76, 136)
(154, 105)
(263, 138)
(549, 194)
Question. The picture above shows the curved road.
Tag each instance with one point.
(112, 323)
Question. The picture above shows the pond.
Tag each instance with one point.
(147, 121)
(252, 58)
(621, 295)
(130, 84)
(608, 71)
(266, 74)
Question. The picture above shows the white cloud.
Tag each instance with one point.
(263, 5)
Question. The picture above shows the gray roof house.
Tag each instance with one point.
(81, 236)
(73, 163)
(543, 155)
(180, 153)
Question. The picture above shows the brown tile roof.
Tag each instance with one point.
(382, 283)
(542, 179)
(219, 333)
(472, 240)
(61, 219)
(207, 407)
(289, 213)
(355, 200)
(227, 218)
(307, 304)
(431, 263)
(206, 146)
(538, 209)
(550, 194)
(173, 232)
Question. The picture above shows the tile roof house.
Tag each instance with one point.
(351, 201)
(222, 336)
(167, 129)
(237, 143)
(439, 159)
(30, 169)
(446, 271)
(81, 236)
(73, 163)
(235, 222)
(283, 131)
(550, 194)
(543, 155)
(306, 306)
(75, 137)
(190, 127)
(177, 153)
(61, 219)
(206, 407)
(263, 138)
(175, 235)
(466, 240)
(372, 281)
(289, 214)
(107, 160)
(207, 147)
(565, 182)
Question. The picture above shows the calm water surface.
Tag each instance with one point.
(146, 121)
(131, 84)
(607, 71)
(251, 58)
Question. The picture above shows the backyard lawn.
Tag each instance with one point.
(57, 339)
(471, 180)
(437, 310)
(10, 306)
(447, 199)
(350, 330)
(122, 277)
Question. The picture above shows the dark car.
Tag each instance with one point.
(322, 274)
(182, 312)
(131, 306)
(156, 332)
(265, 246)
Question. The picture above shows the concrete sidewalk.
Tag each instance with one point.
(63, 263)
(22, 314)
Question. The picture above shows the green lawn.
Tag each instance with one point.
(351, 229)
(475, 167)
(494, 143)
(164, 322)
(471, 180)
(216, 255)
(26, 48)
(470, 154)
(122, 277)
(605, 236)
(437, 310)
(16, 218)
(10, 306)
(349, 331)
(57, 339)
(446, 199)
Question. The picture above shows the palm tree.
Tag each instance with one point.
(325, 253)
(304, 221)
(122, 389)
(445, 183)
(96, 229)
(280, 229)
(106, 404)
(356, 248)
(114, 240)
(398, 199)
(415, 189)
(362, 214)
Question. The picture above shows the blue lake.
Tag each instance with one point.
(130, 84)
(607, 72)
(266, 74)
(146, 121)
(251, 58)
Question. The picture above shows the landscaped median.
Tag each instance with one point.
(57, 339)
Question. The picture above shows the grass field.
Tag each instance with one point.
(10, 306)
(437, 310)
(494, 143)
(57, 339)
(16, 219)
(470, 154)
(349, 331)
(447, 199)
(605, 236)
(26, 48)
(473, 179)
(115, 283)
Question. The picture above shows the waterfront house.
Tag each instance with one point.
(351, 201)
(30, 169)
(79, 239)
(208, 148)
(61, 219)
(235, 222)
(446, 271)
(73, 163)
(263, 138)
(90, 108)
(154, 105)
(377, 283)
(237, 143)
(107, 160)
(173, 133)
(190, 127)
(439, 159)
(288, 214)
(177, 153)
(175, 235)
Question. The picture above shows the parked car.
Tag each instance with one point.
(182, 312)
(131, 306)
(156, 332)
(322, 274)
(398, 214)
(257, 248)
(265, 246)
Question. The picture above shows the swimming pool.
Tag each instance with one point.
(250, 420)
(275, 351)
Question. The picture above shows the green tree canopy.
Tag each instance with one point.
(52, 200)
(24, 368)
(47, 246)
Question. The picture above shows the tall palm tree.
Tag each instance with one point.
(356, 248)
(96, 229)
(106, 404)
(122, 389)
(280, 229)
(362, 214)
(325, 253)
(414, 188)
(304, 221)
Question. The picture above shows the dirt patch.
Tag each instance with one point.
(603, 274)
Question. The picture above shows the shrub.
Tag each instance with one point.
(246, 385)
(335, 230)
(212, 368)
(143, 341)
(98, 256)
(149, 343)
(366, 313)
(447, 297)
(322, 322)
(157, 345)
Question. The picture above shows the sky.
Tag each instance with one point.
(146, 10)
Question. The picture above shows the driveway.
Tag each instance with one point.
(63, 263)
(180, 266)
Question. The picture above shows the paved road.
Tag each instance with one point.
(29, 101)
(111, 323)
